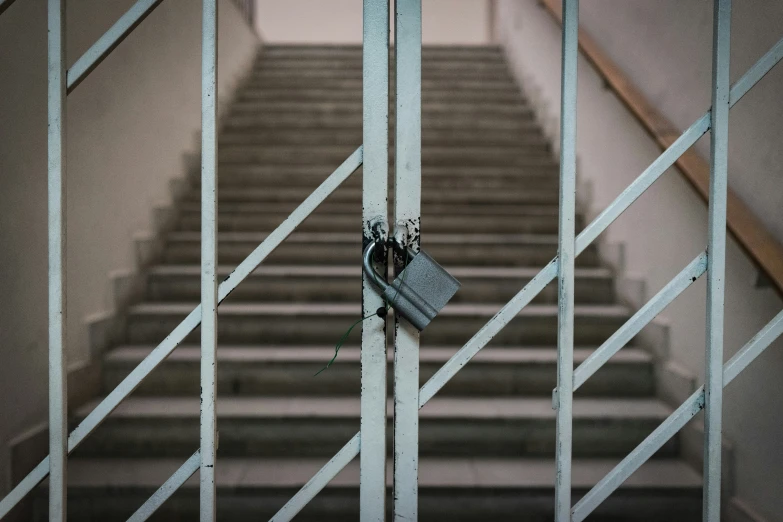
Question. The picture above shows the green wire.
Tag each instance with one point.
(350, 328)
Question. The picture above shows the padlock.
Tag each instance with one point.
(421, 290)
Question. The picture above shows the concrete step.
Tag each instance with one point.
(453, 489)
(435, 74)
(535, 176)
(321, 323)
(350, 195)
(352, 120)
(353, 64)
(331, 207)
(527, 180)
(338, 82)
(320, 221)
(517, 108)
(354, 94)
(289, 371)
(453, 52)
(320, 426)
(501, 250)
(521, 140)
(334, 155)
(319, 284)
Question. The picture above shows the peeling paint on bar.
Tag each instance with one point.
(375, 178)
(407, 213)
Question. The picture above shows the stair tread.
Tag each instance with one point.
(433, 472)
(317, 354)
(272, 407)
(334, 309)
(345, 237)
(466, 272)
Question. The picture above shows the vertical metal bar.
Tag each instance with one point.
(566, 253)
(375, 56)
(716, 263)
(58, 390)
(407, 213)
(209, 294)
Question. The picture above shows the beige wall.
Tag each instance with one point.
(128, 125)
(665, 46)
(462, 22)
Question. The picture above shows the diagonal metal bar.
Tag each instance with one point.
(109, 41)
(634, 325)
(548, 273)
(159, 354)
(693, 405)
(174, 482)
(5, 4)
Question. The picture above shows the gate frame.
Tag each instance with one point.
(373, 460)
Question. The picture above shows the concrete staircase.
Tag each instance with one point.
(489, 215)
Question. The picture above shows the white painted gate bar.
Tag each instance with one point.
(407, 214)
(566, 245)
(209, 282)
(375, 179)
(716, 262)
(58, 366)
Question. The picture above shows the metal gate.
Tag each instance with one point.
(370, 442)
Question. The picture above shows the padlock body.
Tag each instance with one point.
(421, 291)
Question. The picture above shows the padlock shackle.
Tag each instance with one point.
(369, 271)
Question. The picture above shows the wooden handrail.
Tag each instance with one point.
(744, 226)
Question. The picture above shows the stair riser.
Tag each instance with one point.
(354, 64)
(353, 196)
(310, 52)
(336, 504)
(276, 156)
(327, 288)
(520, 141)
(352, 84)
(331, 207)
(316, 94)
(352, 121)
(253, 329)
(500, 185)
(343, 378)
(431, 75)
(322, 222)
(534, 255)
(252, 437)
(428, 109)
